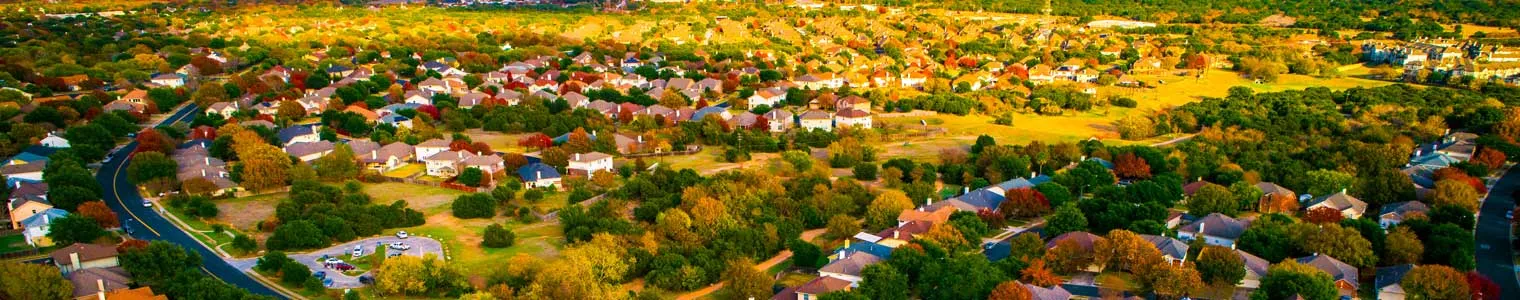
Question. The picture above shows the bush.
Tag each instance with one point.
(272, 261)
(865, 171)
(497, 236)
(471, 177)
(578, 195)
(533, 195)
(474, 206)
(244, 243)
(294, 273)
(1123, 102)
(504, 192)
(526, 216)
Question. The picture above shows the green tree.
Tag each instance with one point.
(159, 263)
(299, 234)
(745, 282)
(75, 228)
(1326, 182)
(1220, 266)
(153, 169)
(883, 282)
(842, 226)
(883, 211)
(33, 281)
(805, 254)
(1213, 198)
(471, 176)
(478, 205)
(1436, 282)
(339, 165)
(1403, 247)
(1289, 278)
(1066, 219)
(497, 236)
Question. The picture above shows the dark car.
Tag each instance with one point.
(366, 279)
(319, 274)
(342, 267)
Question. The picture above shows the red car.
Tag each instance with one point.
(342, 267)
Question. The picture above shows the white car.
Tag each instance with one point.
(147, 203)
(333, 261)
(400, 246)
(401, 234)
(358, 250)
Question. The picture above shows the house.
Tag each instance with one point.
(1256, 269)
(27, 200)
(853, 102)
(1269, 189)
(779, 120)
(35, 227)
(816, 120)
(1344, 275)
(935, 216)
(309, 151)
(1396, 212)
(224, 109)
(445, 164)
(388, 157)
(428, 148)
(848, 264)
(81, 256)
(396, 120)
(298, 134)
(766, 96)
(142, 293)
(1053, 293)
(91, 283)
(853, 118)
(122, 105)
(490, 164)
(1389, 280)
(538, 175)
(32, 154)
(172, 80)
(1349, 206)
(1215, 229)
(23, 172)
(1082, 239)
(1173, 250)
(585, 164)
(812, 289)
(369, 115)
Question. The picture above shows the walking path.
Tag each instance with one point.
(762, 266)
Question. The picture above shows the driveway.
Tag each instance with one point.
(420, 246)
(1495, 254)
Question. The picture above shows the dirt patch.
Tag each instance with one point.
(423, 198)
(245, 215)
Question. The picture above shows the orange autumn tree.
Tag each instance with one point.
(1323, 215)
(1488, 157)
(1038, 274)
(99, 212)
(1130, 166)
(1278, 203)
(1010, 290)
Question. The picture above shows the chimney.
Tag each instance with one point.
(641, 139)
(208, 160)
(1201, 226)
(101, 285)
(1084, 158)
(203, 172)
(1343, 190)
(374, 153)
(74, 261)
(895, 235)
(1033, 174)
(538, 175)
(965, 190)
(577, 156)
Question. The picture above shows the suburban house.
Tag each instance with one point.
(1082, 239)
(766, 96)
(853, 102)
(172, 80)
(396, 120)
(1256, 268)
(1396, 212)
(816, 120)
(1268, 189)
(812, 289)
(490, 164)
(93, 283)
(309, 151)
(298, 134)
(445, 164)
(780, 120)
(81, 256)
(53, 140)
(143, 293)
(1389, 282)
(1345, 275)
(35, 227)
(223, 109)
(388, 157)
(25, 203)
(23, 172)
(1053, 293)
(537, 175)
(585, 164)
(428, 148)
(1173, 250)
(1215, 229)
(1350, 207)
(937, 216)
(853, 118)
(848, 265)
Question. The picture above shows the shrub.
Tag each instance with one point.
(474, 206)
(533, 195)
(244, 243)
(865, 171)
(294, 273)
(471, 177)
(272, 261)
(299, 234)
(578, 195)
(1123, 102)
(497, 236)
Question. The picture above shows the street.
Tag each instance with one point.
(123, 198)
(1495, 254)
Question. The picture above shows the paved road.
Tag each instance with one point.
(121, 195)
(1493, 232)
(421, 246)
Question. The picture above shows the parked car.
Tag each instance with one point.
(319, 274)
(366, 279)
(333, 261)
(400, 246)
(343, 267)
(358, 251)
(147, 203)
(1509, 215)
(126, 227)
(402, 234)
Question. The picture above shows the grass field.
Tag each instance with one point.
(406, 171)
(13, 243)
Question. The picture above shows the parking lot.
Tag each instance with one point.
(419, 246)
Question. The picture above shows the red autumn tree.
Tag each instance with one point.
(536, 141)
(98, 211)
(1488, 157)
(1323, 215)
(1010, 290)
(1450, 173)
(131, 244)
(1024, 203)
(1130, 166)
(1482, 288)
(481, 148)
(152, 140)
(459, 145)
(761, 123)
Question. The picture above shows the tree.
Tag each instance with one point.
(290, 110)
(263, 166)
(1290, 278)
(1323, 215)
(589, 270)
(299, 234)
(1068, 256)
(1246, 194)
(883, 211)
(1066, 219)
(1125, 250)
(841, 226)
(1345, 244)
(1436, 282)
(1037, 274)
(805, 254)
(411, 275)
(1278, 203)
(1326, 182)
(294, 273)
(865, 171)
(159, 263)
(75, 229)
(1024, 203)
(1482, 287)
(339, 165)
(1213, 198)
(1402, 247)
(497, 236)
(478, 205)
(98, 211)
(883, 282)
(746, 282)
(1169, 280)
(152, 169)
(1220, 266)
(33, 281)
(1489, 157)
(471, 177)
(1128, 165)
(1010, 290)
(1452, 192)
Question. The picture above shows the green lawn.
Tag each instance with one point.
(13, 243)
(406, 171)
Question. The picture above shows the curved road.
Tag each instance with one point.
(121, 195)
(1495, 255)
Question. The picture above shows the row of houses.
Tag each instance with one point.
(27, 206)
